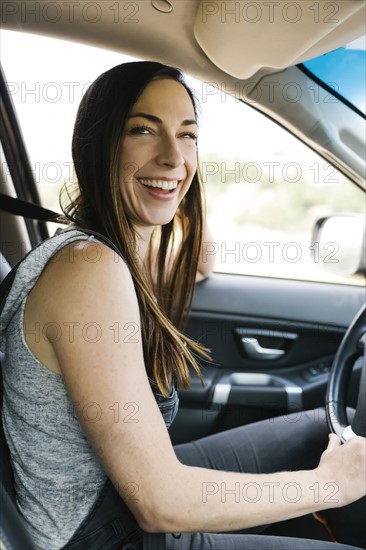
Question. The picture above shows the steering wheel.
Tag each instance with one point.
(352, 346)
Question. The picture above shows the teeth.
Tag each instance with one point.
(161, 184)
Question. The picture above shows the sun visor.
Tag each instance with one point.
(243, 37)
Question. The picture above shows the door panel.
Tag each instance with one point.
(293, 329)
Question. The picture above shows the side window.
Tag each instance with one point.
(265, 191)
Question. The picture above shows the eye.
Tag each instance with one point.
(140, 130)
(190, 135)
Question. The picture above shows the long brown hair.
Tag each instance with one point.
(96, 146)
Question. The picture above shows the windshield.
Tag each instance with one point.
(343, 70)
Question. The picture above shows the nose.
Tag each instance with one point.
(170, 153)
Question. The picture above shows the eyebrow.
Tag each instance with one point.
(158, 120)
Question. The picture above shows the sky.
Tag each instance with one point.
(346, 68)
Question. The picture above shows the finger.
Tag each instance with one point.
(334, 442)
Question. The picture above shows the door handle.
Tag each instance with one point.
(255, 351)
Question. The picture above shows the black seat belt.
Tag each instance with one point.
(18, 207)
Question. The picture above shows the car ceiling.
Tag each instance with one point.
(220, 40)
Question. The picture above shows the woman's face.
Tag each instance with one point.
(158, 155)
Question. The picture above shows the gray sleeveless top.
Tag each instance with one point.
(58, 477)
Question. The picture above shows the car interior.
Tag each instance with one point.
(279, 345)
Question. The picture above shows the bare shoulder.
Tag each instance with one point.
(83, 269)
(90, 258)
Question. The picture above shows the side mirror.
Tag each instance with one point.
(338, 243)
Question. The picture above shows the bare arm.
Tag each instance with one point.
(136, 451)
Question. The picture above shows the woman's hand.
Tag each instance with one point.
(345, 466)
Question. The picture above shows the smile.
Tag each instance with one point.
(160, 184)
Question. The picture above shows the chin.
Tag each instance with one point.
(160, 219)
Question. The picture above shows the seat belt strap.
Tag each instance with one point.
(18, 207)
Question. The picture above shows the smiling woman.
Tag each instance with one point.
(88, 478)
